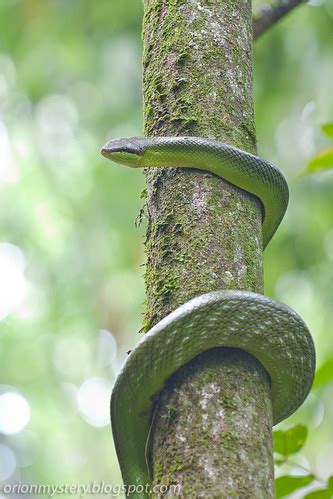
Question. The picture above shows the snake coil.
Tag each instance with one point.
(263, 327)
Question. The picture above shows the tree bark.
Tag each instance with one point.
(212, 426)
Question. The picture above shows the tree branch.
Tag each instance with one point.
(268, 15)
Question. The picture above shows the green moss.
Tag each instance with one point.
(171, 46)
(144, 194)
(183, 58)
(177, 243)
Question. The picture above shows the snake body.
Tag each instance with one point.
(265, 328)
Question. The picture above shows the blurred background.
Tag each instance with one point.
(71, 254)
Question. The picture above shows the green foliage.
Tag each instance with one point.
(290, 441)
(324, 374)
(327, 128)
(323, 161)
(287, 484)
(320, 494)
(326, 493)
(287, 443)
(69, 80)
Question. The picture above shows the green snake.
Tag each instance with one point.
(263, 327)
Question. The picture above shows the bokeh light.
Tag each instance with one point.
(14, 412)
(13, 284)
(94, 401)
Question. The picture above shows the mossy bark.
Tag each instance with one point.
(212, 433)
(204, 234)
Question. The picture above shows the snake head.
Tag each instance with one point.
(127, 151)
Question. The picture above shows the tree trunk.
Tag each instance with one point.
(212, 426)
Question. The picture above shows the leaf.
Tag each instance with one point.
(324, 374)
(327, 128)
(287, 484)
(290, 441)
(326, 493)
(323, 161)
(319, 494)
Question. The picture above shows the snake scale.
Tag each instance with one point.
(263, 327)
